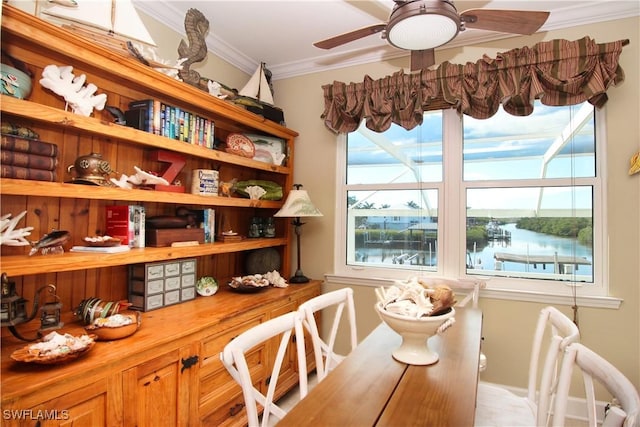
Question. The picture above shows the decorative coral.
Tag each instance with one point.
(11, 236)
(80, 98)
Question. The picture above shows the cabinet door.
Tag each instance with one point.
(157, 392)
(84, 407)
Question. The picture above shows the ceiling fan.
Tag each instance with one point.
(422, 25)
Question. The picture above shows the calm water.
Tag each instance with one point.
(522, 242)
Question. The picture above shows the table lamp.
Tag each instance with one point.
(298, 205)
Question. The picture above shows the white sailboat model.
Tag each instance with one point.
(258, 87)
(113, 19)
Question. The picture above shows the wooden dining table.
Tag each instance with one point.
(370, 388)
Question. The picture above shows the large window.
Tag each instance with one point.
(514, 199)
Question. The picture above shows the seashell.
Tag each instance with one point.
(255, 192)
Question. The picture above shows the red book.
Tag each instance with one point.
(24, 145)
(17, 172)
(28, 160)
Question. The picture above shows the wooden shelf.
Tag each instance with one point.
(21, 265)
(60, 118)
(20, 187)
(130, 72)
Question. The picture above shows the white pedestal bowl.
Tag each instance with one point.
(415, 333)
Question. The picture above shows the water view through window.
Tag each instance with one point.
(525, 189)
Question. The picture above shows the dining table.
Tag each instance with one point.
(370, 388)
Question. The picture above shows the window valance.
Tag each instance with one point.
(558, 72)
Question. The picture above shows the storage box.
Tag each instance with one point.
(159, 284)
(126, 222)
(159, 237)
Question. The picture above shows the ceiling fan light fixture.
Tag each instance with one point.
(420, 25)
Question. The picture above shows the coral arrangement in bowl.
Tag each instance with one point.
(416, 312)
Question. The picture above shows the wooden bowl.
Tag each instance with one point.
(26, 356)
(110, 333)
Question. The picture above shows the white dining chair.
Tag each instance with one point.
(234, 360)
(335, 303)
(624, 411)
(497, 406)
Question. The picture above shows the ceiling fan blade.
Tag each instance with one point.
(422, 59)
(341, 39)
(505, 21)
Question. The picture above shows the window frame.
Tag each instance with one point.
(452, 223)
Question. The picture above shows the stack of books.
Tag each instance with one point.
(24, 158)
(153, 116)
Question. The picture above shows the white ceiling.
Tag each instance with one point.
(281, 33)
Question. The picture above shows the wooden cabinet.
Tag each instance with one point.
(167, 373)
(80, 209)
(157, 392)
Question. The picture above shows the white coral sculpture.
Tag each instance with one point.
(80, 98)
(255, 192)
(9, 235)
(140, 178)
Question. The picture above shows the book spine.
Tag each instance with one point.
(157, 117)
(15, 143)
(27, 160)
(146, 106)
(17, 172)
(172, 123)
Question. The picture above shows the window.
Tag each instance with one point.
(514, 199)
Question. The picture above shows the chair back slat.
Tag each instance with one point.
(342, 303)
(596, 369)
(234, 360)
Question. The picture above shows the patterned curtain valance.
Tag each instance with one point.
(558, 72)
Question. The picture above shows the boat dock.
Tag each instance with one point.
(562, 263)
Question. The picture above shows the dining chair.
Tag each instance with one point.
(624, 411)
(234, 360)
(325, 356)
(497, 406)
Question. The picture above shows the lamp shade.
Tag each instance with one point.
(420, 25)
(298, 204)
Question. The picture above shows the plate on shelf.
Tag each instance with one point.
(101, 241)
(240, 145)
(66, 349)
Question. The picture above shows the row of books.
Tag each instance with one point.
(151, 115)
(31, 159)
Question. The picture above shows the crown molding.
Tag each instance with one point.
(570, 16)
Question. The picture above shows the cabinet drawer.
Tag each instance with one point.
(172, 269)
(187, 293)
(218, 390)
(212, 346)
(171, 283)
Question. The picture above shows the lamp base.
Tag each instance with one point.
(299, 278)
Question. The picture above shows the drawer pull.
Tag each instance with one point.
(188, 362)
(235, 409)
